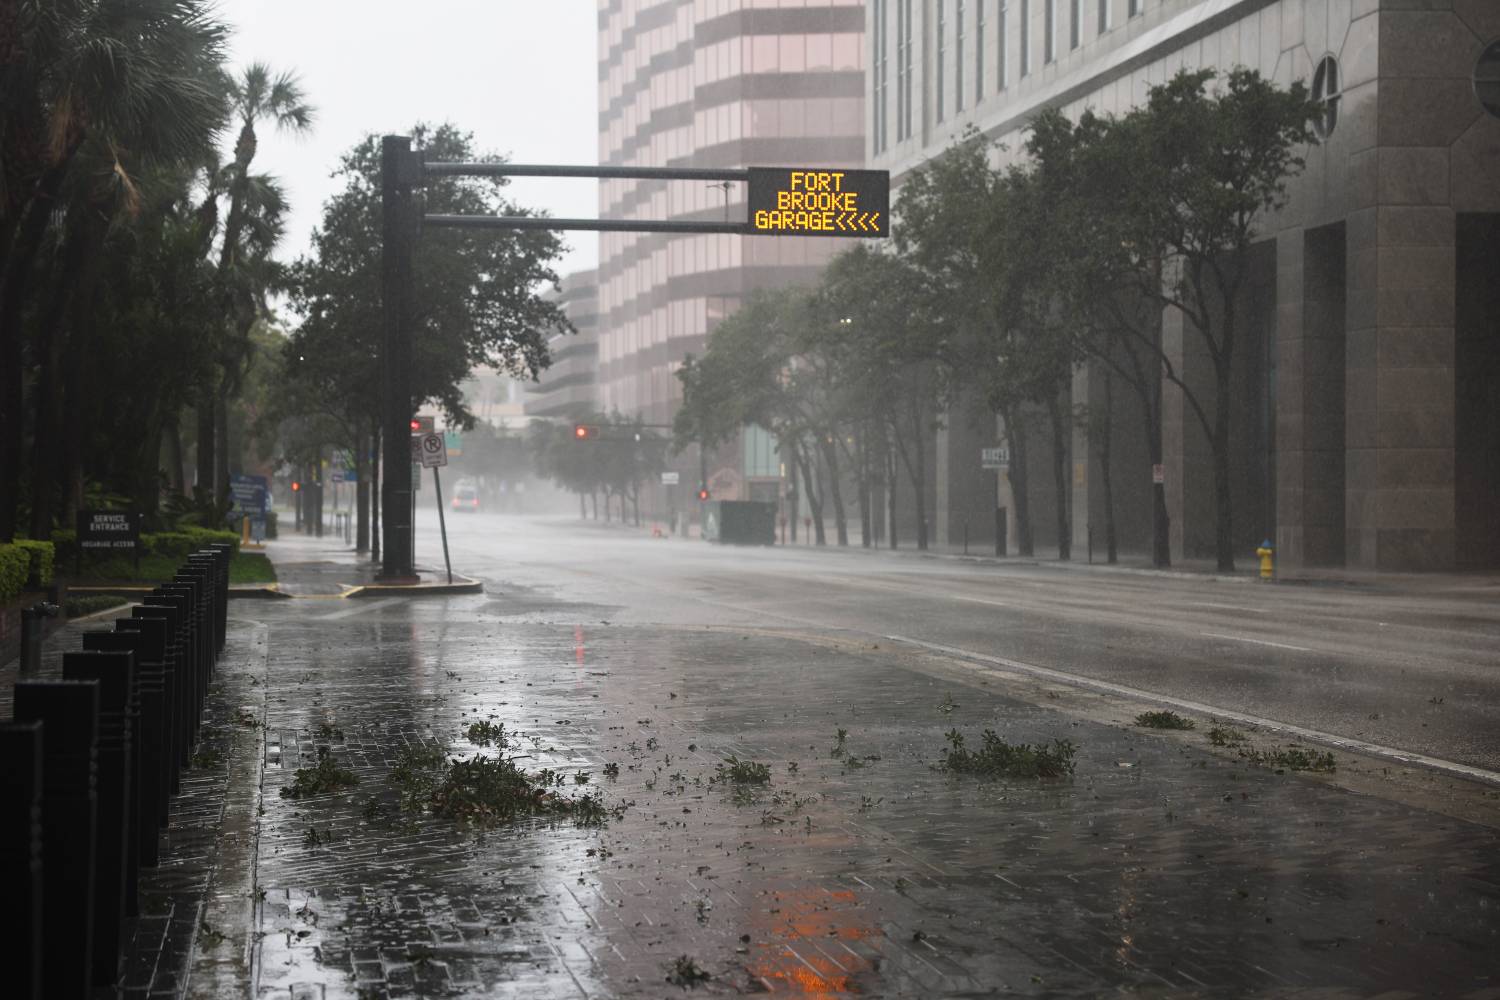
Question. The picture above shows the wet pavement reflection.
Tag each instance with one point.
(1159, 868)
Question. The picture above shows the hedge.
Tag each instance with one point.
(177, 544)
(15, 566)
(41, 555)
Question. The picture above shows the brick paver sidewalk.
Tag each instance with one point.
(1164, 866)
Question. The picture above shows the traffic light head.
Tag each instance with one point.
(585, 432)
(296, 486)
(416, 425)
(703, 493)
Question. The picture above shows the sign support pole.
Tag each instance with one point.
(437, 489)
(398, 166)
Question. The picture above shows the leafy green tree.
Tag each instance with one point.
(133, 78)
(478, 301)
(1194, 171)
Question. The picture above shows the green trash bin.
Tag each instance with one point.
(739, 522)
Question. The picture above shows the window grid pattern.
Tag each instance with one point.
(978, 51)
(942, 53)
(1134, 8)
(1000, 41)
(1049, 30)
(904, 68)
(1075, 24)
(958, 54)
(1025, 37)
(1103, 16)
(878, 126)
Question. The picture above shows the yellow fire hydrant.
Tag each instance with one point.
(1267, 559)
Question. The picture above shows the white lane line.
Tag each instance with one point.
(1225, 607)
(1258, 642)
(1315, 735)
(360, 608)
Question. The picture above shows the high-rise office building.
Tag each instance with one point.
(569, 389)
(711, 83)
(1366, 416)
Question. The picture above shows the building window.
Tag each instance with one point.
(1049, 30)
(942, 52)
(978, 51)
(1025, 37)
(878, 72)
(900, 71)
(1075, 24)
(1325, 91)
(1487, 78)
(1000, 17)
(1103, 16)
(958, 54)
(1134, 8)
(903, 19)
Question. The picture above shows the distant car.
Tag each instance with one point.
(466, 498)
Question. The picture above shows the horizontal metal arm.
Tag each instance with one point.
(609, 173)
(594, 225)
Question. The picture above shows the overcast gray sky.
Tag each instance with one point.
(520, 74)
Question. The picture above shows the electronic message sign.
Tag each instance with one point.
(798, 201)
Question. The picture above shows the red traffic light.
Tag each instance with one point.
(703, 493)
(583, 432)
(416, 425)
(296, 486)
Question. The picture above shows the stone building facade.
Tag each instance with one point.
(1367, 409)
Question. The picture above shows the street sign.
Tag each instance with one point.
(434, 451)
(109, 529)
(250, 494)
(670, 478)
(416, 449)
(455, 442)
(797, 201)
(994, 458)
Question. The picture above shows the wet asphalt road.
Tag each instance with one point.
(1413, 665)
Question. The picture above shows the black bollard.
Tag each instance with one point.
(225, 552)
(152, 646)
(115, 675)
(164, 609)
(150, 740)
(70, 713)
(187, 655)
(21, 857)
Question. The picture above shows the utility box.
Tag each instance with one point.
(739, 522)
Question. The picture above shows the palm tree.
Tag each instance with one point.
(255, 96)
(123, 75)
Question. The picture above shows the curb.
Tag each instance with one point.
(460, 585)
(251, 591)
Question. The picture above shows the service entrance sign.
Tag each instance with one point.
(113, 530)
(795, 201)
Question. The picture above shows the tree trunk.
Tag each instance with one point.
(863, 483)
(221, 449)
(14, 289)
(814, 502)
(1223, 497)
(1018, 476)
(915, 463)
(173, 432)
(840, 516)
(1105, 430)
(1060, 434)
(49, 349)
(890, 493)
(203, 487)
(361, 489)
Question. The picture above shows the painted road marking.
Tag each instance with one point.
(1317, 736)
(1258, 642)
(361, 608)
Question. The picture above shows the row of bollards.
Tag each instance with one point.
(91, 762)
